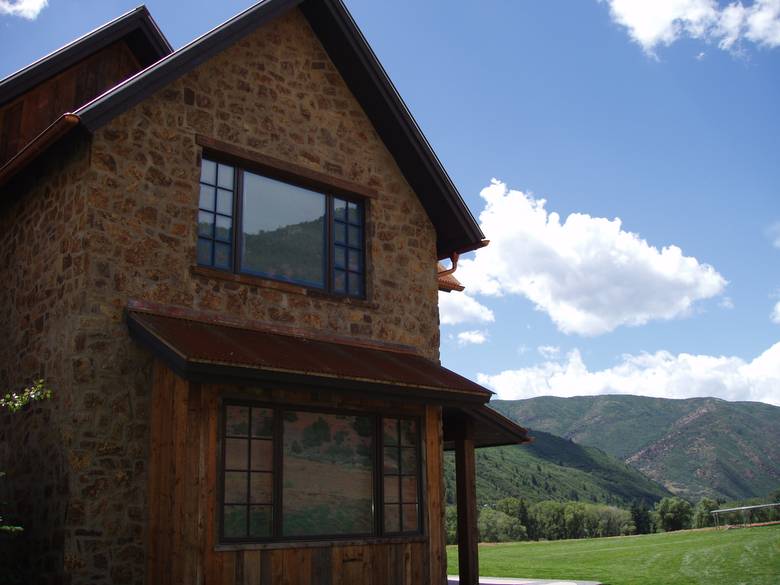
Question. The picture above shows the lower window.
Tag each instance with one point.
(290, 474)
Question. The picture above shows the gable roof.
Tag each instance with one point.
(456, 228)
(137, 27)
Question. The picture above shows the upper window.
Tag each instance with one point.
(253, 224)
(290, 474)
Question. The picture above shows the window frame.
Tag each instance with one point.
(378, 532)
(297, 177)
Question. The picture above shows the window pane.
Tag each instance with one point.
(235, 521)
(354, 213)
(339, 209)
(207, 196)
(354, 260)
(409, 433)
(235, 487)
(226, 176)
(328, 479)
(283, 231)
(237, 420)
(354, 236)
(391, 489)
(262, 455)
(391, 460)
(409, 517)
(222, 254)
(224, 230)
(390, 431)
(340, 233)
(262, 422)
(355, 287)
(339, 281)
(205, 224)
(208, 171)
(392, 518)
(340, 257)
(261, 488)
(225, 202)
(409, 489)
(204, 251)
(260, 521)
(236, 455)
(408, 461)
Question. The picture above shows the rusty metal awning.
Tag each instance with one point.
(491, 428)
(215, 352)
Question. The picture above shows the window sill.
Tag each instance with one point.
(285, 287)
(318, 543)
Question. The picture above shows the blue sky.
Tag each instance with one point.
(663, 114)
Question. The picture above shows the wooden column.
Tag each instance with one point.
(465, 479)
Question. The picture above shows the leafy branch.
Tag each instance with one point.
(36, 391)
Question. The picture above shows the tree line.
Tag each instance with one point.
(515, 519)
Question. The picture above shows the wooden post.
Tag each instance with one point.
(465, 479)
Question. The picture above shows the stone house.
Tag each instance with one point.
(223, 260)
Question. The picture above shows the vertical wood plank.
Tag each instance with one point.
(212, 560)
(251, 567)
(192, 534)
(164, 510)
(153, 495)
(434, 468)
(321, 566)
(180, 391)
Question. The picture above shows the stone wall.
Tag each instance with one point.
(276, 93)
(42, 271)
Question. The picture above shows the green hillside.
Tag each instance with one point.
(552, 468)
(694, 447)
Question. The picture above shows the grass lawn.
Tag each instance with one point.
(745, 556)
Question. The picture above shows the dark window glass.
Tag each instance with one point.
(215, 218)
(328, 474)
(247, 486)
(401, 484)
(281, 230)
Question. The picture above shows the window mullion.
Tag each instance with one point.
(329, 242)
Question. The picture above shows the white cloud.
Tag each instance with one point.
(661, 374)
(472, 337)
(548, 351)
(29, 9)
(775, 316)
(726, 303)
(651, 23)
(587, 273)
(456, 308)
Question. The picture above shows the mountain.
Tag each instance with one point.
(694, 447)
(552, 468)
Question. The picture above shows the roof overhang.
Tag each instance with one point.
(491, 428)
(136, 27)
(215, 352)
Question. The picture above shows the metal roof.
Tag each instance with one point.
(207, 351)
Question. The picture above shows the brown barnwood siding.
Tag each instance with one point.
(182, 500)
(28, 115)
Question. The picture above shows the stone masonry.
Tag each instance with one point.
(117, 221)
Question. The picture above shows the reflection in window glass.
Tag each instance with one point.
(401, 484)
(327, 470)
(283, 231)
(215, 218)
(247, 483)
